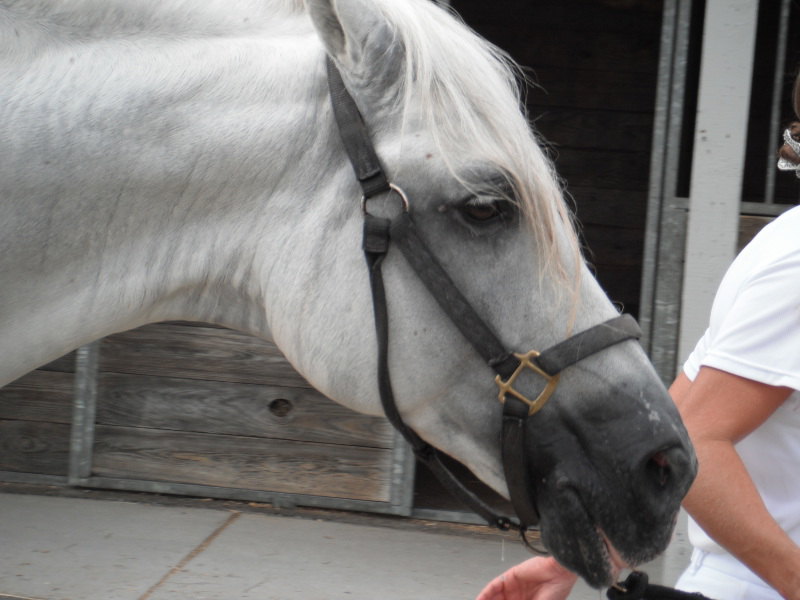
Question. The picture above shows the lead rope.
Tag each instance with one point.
(638, 587)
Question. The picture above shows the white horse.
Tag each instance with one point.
(168, 159)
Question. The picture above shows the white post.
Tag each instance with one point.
(718, 163)
(720, 137)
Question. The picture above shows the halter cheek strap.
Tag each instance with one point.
(378, 233)
(375, 246)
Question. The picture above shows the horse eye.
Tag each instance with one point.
(483, 213)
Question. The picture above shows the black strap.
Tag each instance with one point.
(450, 298)
(480, 335)
(556, 358)
(515, 463)
(355, 137)
(487, 344)
(637, 587)
(372, 179)
(376, 244)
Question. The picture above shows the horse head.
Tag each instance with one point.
(609, 460)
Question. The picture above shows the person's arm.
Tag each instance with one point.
(719, 409)
(537, 578)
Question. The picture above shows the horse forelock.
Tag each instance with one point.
(469, 91)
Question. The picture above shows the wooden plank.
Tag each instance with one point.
(607, 170)
(615, 208)
(558, 48)
(597, 130)
(526, 34)
(239, 462)
(586, 89)
(28, 447)
(65, 364)
(573, 15)
(299, 414)
(622, 287)
(614, 246)
(749, 226)
(205, 353)
(42, 396)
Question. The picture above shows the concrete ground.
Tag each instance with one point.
(98, 547)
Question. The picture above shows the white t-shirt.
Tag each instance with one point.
(754, 332)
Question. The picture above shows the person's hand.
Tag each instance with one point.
(535, 579)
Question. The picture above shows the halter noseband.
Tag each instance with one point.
(517, 408)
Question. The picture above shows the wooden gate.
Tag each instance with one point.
(200, 410)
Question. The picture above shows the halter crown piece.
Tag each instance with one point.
(379, 233)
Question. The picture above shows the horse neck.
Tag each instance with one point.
(174, 209)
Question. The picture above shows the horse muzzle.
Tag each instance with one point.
(608, 490)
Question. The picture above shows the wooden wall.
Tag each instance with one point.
(35, 418)
(595, 63)
(199, 405)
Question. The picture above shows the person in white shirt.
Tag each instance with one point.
(738, 395)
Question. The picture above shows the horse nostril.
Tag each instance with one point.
(672, 467)
(659, 468)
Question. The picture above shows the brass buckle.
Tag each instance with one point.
(507, 387)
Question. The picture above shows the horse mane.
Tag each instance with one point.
(469, 88)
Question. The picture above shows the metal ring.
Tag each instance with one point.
(392, 188)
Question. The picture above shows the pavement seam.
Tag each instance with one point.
(199, 549)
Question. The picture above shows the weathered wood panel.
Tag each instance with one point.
(29, 447)
(250, 463)
(206, 353)
(203, 405)
(35, 413)
(42, 396)
(298, 414)
(64, 364)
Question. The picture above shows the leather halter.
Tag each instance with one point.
(378, 233)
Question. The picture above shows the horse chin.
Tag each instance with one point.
(576, 541)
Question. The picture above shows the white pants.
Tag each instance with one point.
(719, 578)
